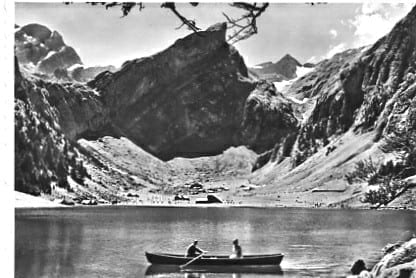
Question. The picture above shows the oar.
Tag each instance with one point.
(194, 259)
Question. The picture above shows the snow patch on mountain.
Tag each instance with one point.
(298, 101)
(50, 53)
(285, 84)
(74, 66)
(301, 71)
(282, 85)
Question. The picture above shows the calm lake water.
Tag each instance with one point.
(110, 242)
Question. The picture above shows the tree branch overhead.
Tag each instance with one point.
(242, 28)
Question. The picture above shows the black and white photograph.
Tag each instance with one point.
(211, 139)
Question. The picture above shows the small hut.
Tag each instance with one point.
(210, 199)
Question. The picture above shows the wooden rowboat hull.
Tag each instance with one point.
(220, 260)
(171, 270)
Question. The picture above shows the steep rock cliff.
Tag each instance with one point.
(43, 52)
(268, 118)
(356, 94)
(85, 74)
(43, 49)
(357, 107)
(187, 100)
(48, 119)
(335, 100)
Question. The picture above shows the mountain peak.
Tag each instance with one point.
(221, 26)
(284, 69)
(43, 49)
(195, 86)
(37, 31)
(289, 59)
(211, 38)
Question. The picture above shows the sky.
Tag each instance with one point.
(307, 32)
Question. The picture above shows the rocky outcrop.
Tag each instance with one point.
(48, 119)
(358, 267)
(45, 50)
(85, 74)
(336, 100)
(389, 79)
(42, 51)
(187, 100)
(76, 108)
(62, 59)
(399, 261)
(324, 77)
(195, 98)
(268, 118)
(73, 109)
(353, 90)
(284, 69)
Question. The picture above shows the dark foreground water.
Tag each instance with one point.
(110, 242)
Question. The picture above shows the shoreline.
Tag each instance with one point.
(25, 201)
(197, 206)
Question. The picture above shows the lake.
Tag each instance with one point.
(111, 241)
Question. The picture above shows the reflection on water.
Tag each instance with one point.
(110, 242)
(51, 251)
(206, 271)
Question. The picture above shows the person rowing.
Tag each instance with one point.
(193, 250)
(237, 250)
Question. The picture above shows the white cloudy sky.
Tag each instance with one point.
(309, 33)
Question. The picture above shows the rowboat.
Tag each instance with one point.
(217, 260)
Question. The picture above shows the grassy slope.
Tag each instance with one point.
(319, 172)
(126, 168)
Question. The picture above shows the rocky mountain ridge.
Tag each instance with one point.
(201, 91)
(49, 117)
(367, 93)
(284, 69)
(43, 52)
(360, 92)
(183, 94)
(43, 48)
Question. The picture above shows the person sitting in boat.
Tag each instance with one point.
(237, 251)
(193, 250)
